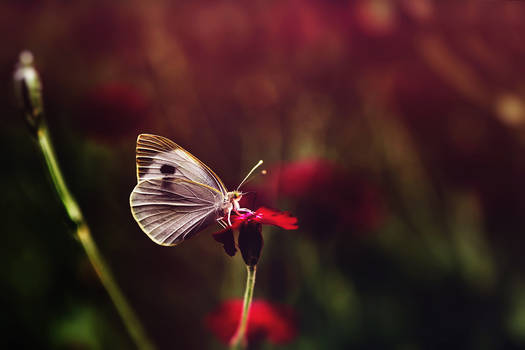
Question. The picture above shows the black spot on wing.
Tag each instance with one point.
(167, 169)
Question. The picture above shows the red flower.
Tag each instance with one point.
(295, 179)
(266, 321)
(267, 216)
(327, 195)
(250, 241)
(112, 110)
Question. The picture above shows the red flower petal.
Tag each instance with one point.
(226, 238)
(250, 239)
(281, 219)
(266, 321)
(268, 216)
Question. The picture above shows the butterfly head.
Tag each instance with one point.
(234, 196)
(232, 202)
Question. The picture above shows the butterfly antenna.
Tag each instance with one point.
(251, 171)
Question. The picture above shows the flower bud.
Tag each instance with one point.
(28, 89)
(250, 241)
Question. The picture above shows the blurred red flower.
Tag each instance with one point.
(305, 176)
(266, 321)
(326, 194)
(376, 18)
(113, 109)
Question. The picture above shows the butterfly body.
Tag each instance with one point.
(177, 195)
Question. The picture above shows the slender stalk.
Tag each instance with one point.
(239, 339)
(29, 88)
(71, 206)
(83, 234)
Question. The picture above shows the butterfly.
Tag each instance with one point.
(177, 195)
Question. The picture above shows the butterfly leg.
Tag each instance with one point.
(243, 210)
(229, 217)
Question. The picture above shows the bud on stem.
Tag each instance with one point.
(28, 90)
(250, 241)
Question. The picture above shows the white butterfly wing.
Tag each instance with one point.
(159, 157)
(170, 210)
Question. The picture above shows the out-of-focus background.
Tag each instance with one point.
(394, 131)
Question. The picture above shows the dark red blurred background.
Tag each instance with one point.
(394, 131)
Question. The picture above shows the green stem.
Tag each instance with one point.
(29, 84)
(67, 199)
(239, 339)
(83, 234)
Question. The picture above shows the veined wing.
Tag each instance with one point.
(170, 210)
(158, 157)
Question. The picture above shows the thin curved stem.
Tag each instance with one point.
(239, 339)
(83, 234)
(28, 88)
